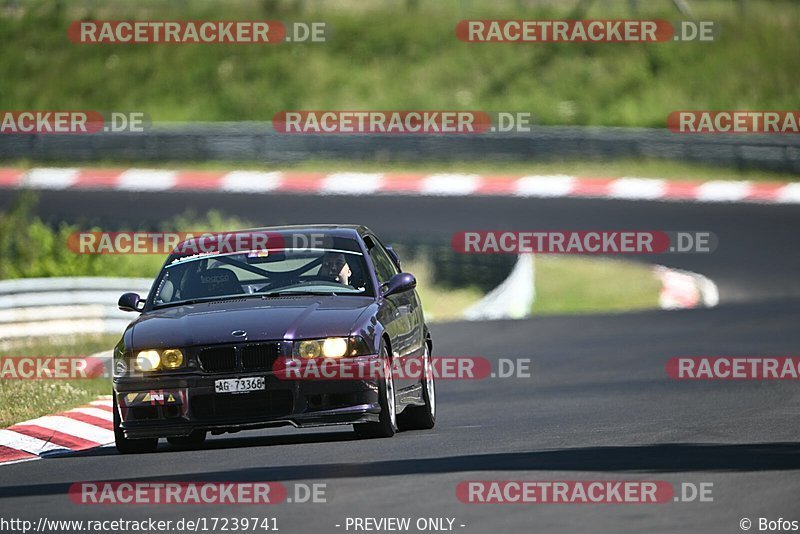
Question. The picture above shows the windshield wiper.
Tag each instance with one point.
(202, 300)
(297, 292)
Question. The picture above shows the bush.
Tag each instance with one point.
(29, 248)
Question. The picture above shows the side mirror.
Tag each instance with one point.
(399, 283)
(393, 255)
(130, 302)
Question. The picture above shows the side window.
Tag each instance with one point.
(384, 266)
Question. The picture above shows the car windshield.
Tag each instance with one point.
(265, 273)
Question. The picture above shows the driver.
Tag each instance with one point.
(335, 268)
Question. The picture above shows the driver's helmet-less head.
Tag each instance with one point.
(333, 263)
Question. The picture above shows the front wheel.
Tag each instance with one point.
(422, 417)
(387, 426)
(127, 445)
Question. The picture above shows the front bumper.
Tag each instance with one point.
(176, 405)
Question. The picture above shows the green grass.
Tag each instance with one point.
(389, 56)
(643, 168)
(565, 284)
(21, 400)
(579, 284)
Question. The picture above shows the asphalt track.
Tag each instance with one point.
(598, 405)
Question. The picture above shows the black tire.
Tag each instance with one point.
(387, 426)
(422, 417)
(130, 446)
(192, 441)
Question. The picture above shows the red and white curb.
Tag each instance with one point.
(361, 183)
(681, 290)
(78, 429)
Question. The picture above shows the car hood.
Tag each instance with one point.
(268, 319)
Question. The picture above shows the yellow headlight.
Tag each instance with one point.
(334, 347)
(172, 358)
(147, 360)
(309, 349)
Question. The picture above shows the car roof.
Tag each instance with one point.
(333, 229)
(352, 231)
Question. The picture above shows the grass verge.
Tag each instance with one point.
(564, 285)
(575, 284)
(21, 400)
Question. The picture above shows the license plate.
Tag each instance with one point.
(239, 385)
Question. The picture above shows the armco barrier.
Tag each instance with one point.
(257, 141)
(36, 307)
